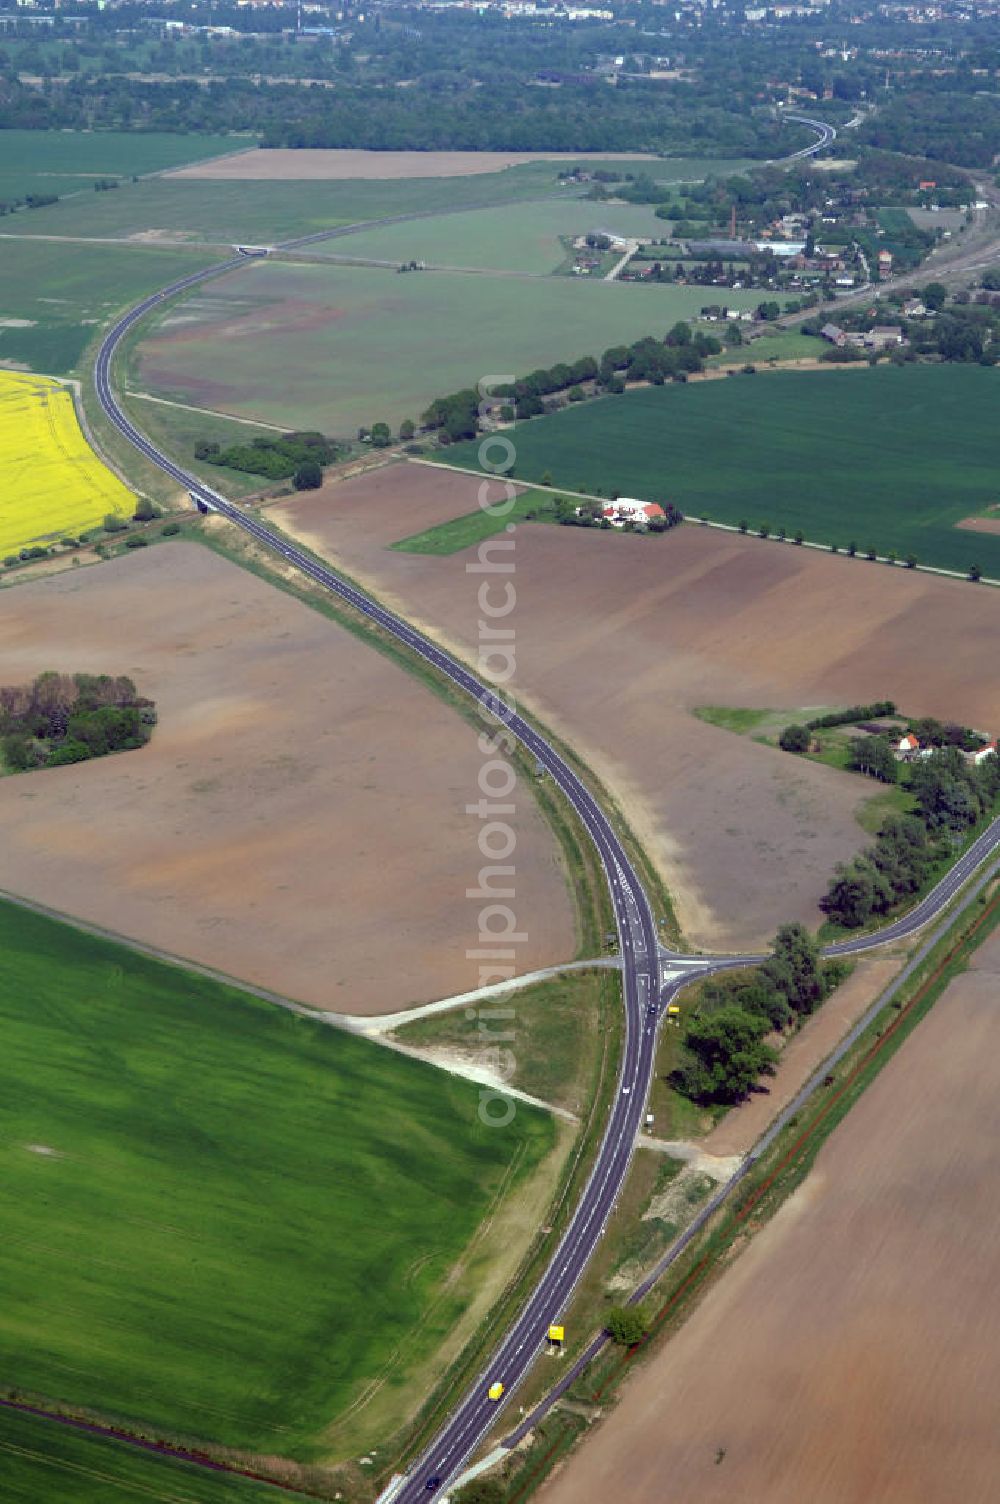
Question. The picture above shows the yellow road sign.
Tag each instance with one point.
(556, 1333)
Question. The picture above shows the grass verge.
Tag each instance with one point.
(550, 1032)
(463, 532)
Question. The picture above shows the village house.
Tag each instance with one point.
(913, 308)
(834, 334)
(883, 336)
(628, 509)
(984, 752)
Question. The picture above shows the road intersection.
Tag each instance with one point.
(652, 975)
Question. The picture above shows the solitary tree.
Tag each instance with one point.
(794, 739)
(406, 430)
(627, 1325)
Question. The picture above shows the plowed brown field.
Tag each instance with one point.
(852, 1354)
(619, 638)
(298, 819)
(321, 164)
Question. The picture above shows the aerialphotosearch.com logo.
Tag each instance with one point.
(497, 933)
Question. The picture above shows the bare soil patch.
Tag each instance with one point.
(298, 819)
(619, 638)
(980, 524)
(852, 1354)
(318, 164)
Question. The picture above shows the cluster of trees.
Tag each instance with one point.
(852, 715)
(681, 352)
(797, 738)
(725, 1050)
(967, 329)
(298, 457)
(876, 757)
(64, 718)
(951, 796)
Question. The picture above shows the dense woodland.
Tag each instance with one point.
(66, 718)
(404, 77)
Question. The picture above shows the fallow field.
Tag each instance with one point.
(227, 1222)
(891, 458)
(298, 819)
(852, 1354)
(620, 638)
(332, 164)
(334, 347)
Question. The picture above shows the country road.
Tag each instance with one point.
(651, 975)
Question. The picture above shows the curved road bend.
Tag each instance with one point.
(636, 931)
(640, 951)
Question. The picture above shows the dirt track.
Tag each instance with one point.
(618, 638)
(852, 1354)
(298, 819)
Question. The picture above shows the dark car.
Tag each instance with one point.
(432, 1484)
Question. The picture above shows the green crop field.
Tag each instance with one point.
(252, 210)
(334, 347)
(54, 296)
(890, 458)
(268, 210)
(69, 162)
(43, 1462)
(516, 237)
(222, 1220)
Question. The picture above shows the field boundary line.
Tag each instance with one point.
(212, 412)
(722, 527)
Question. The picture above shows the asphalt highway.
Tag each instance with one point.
(636, 932)
(651, 975)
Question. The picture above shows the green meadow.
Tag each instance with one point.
(54, 296)
(70, 162)
(891, 458)
(526, 238)
(223, 1221)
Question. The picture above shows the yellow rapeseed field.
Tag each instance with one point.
(52, 485)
